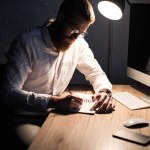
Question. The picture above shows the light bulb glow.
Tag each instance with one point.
(110, 10)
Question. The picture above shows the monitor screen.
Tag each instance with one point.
(138, 64)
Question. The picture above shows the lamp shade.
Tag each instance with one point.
(111, 9)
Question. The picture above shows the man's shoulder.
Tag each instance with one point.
(27, 34)
(25, 38)
(31, 33)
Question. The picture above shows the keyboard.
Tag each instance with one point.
(130, 101)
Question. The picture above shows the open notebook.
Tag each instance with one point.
(86, 105)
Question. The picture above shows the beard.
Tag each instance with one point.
(59, 41)
(61, 45)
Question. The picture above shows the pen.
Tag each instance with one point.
(69, 91)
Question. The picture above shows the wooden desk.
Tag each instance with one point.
(90, 132)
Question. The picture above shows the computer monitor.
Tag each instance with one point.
(138, 64)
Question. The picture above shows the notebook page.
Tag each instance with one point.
(87, 103)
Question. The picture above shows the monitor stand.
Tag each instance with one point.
(145, 98)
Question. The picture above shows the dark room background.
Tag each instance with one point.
(107, 39)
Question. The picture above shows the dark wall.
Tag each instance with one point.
(107, 39)
(18, 16)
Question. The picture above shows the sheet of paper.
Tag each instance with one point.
(87, 103)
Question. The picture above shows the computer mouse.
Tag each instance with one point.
(136, 123)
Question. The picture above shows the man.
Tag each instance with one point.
(41, 64)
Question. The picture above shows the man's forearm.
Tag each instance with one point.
(24, 100)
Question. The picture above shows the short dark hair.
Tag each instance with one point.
(81, 7)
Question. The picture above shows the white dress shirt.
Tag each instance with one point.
(34, 70)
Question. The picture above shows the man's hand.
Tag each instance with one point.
(66, 103)
(103, 103)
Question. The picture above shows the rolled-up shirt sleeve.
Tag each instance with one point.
(90, 67)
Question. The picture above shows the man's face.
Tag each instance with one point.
(69, 30)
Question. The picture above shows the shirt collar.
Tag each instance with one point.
(46, 36)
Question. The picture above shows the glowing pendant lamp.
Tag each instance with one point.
(111, 9)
